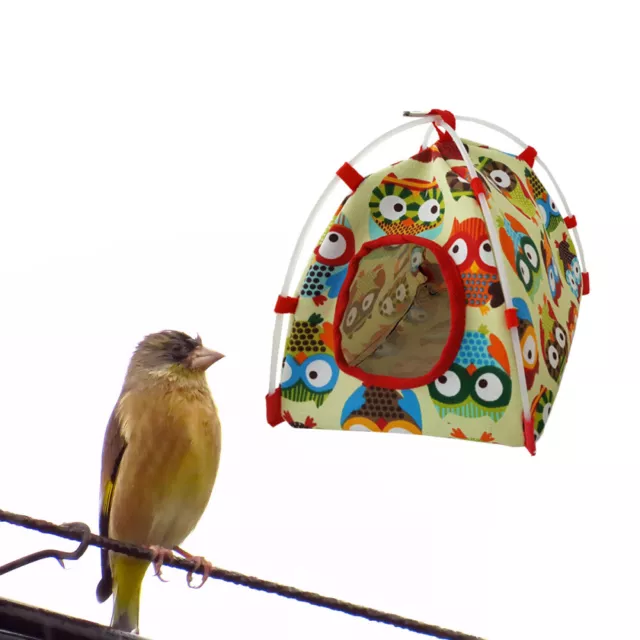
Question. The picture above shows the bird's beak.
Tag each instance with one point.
(202, 358)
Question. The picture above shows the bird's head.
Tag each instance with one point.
(173, 352)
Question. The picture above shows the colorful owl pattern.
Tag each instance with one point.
(478, 399)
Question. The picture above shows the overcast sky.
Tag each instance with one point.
(156, 163)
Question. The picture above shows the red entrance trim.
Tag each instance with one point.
(456, 306)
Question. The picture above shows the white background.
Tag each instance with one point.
(156, 163)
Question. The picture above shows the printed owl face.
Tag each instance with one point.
(384, 410)
(406, 206)
(337, 248)
(521, 252)
(546, 206)
(362, 304)
(478, 382)
(572, 271)
(541, 410)
(549, 212)
(309, 370)
(471, 250)
(553, 338)
(551, 268)
(528, 342)
(502, 178)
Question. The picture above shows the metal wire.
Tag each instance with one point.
(77, 531)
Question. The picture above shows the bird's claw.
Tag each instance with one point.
(160, 556)
(206, 567)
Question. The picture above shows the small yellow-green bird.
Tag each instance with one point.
(159, 462)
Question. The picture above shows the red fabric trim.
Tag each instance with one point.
(477, 186)
(529, 436)
(511, 316)
(586, 283)
(349, 176)
(274, 407)
(571, 222)
(528, 155)
(457, 308)
(286, 305)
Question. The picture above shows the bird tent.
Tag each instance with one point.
(442, 299)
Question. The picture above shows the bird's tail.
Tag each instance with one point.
(127, 582)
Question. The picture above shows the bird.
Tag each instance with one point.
(554, 340)
(160, 459)
(309, 369)
(471, 250)
(326, 274)
(507, 182)
(406, 206)
(521, 252)
(378, 409)
(478, 383)
(528, 343)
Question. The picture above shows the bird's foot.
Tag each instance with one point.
(160, 556)
(201, 563)
(319, 300)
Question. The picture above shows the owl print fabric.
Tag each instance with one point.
(388, 313)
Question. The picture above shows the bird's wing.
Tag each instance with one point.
(112, 452)
(356, 401)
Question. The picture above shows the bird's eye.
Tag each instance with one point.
(338, 243)
(571, 281)
(546, 412)
(501, 178)
(553, 355)
(458, 251)
(351, 316)
(544, 214)
(290, 373)
(530, 252)
(575, 266)
(489, 387)
(320, 373)
(525, 273)
(486, 254)
(552, 281)
(449, 384)
(553, 206)
(386, 306)
(561, 337)
(529, 350)
(392, 207)
(368, 301)
(429, 211)
(416, 258)
(401, 292)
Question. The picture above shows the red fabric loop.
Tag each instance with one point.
(586, 283)
(529, 435)
(286, 305)
(274, 407)
(447, 116)
(477, 186)
(349, 176)
(571, 222)
(528, 155)
(511, 316)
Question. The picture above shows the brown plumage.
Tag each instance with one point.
(160, 460)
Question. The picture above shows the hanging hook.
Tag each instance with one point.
(60, 556)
